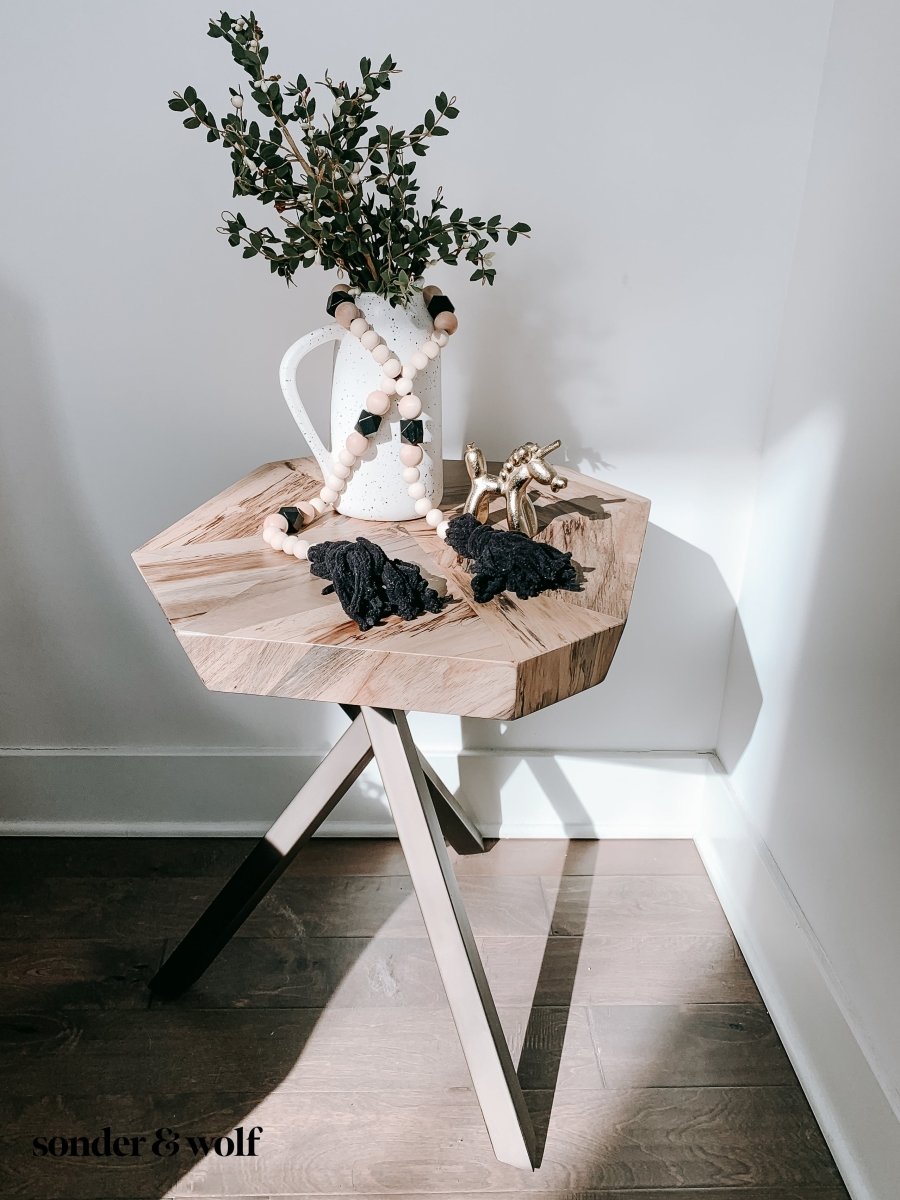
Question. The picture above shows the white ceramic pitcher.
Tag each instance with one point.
(376, 490)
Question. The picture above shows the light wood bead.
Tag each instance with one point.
(392, 368)
(378, 403)
(359, 327)
(404, 387)
(409, 407)
(346, 313)
(410, 474)
(387, 385)
(307, 510)
(417, 489)
(347, 457)
(276, 521)
(446, 322)
(329, 495)
(441, 530)
(341, 470)
(301, 550)
(410, 455)
(369, 340)
(381, 353)
(287, 546)
(336, 484)
(440, 337)
(276, 539)
(429, 293)
(408, 371)
(431, 349)
(319, 505)
(434, 517)
(357, 443)
(422, 506)
(419, 360)
(267, 532)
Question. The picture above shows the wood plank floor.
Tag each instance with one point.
(651, 1067)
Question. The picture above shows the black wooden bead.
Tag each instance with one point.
(368, 423)
(412, 431)
(437, 304)
(337, 298)
(294, 518)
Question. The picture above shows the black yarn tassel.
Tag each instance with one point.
(506, 561)
(371, 586)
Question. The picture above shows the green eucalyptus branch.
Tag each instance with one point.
(343, 185)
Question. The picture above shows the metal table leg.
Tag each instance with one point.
(484, 1045)
(267, 861)
(425, 813)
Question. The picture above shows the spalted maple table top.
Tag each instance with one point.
(253, 620)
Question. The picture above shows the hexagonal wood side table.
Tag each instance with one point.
(252, 620)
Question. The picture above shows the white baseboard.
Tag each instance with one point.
(828, 1050)
(184, 793)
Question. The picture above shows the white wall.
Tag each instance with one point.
(817, 765)
(658, 150)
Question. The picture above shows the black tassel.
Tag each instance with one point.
(371, 586)
(506, 561)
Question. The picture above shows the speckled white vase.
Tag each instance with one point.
(376, 490)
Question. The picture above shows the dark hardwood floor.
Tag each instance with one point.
(651, 1066)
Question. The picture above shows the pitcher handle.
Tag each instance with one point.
(287, 375)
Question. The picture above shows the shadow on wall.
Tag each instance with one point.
(549, 370)
(675, 665)
(69, 620)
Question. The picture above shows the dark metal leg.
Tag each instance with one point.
(265, 863)
(458, 828)
(487, 1054)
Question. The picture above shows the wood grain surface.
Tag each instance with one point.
(252, 620)
(650, 1064)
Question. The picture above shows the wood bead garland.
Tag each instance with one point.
(397, 381)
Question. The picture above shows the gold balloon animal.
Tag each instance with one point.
(526, 463)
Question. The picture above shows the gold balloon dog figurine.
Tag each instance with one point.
(526, 463)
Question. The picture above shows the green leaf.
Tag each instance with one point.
(177, 105)
(521, 227)
(213, 31)
(191, 123)
(190, 94)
